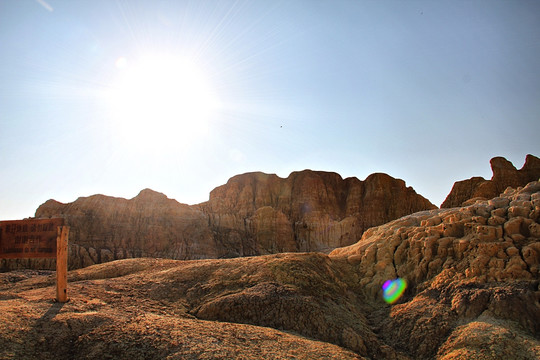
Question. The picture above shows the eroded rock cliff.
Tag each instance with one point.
(504, 175)
(105, 228)
(259, 213)
(474, 271)
(253, 214)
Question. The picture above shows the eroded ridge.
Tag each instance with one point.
(472, 268)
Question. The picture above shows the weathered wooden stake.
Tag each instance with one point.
(61, 264)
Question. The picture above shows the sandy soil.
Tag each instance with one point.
(285, 306)
(129, 309)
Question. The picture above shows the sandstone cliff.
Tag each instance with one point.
(504, 175)
(252, 214)
(105, 228)
(258, 213)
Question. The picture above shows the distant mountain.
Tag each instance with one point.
(253, 214)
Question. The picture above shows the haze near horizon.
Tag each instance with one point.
(113, 97)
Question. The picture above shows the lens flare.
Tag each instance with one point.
(393, 289)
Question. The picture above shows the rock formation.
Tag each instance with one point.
(474, 271)
(473, 277)
(504, 175)
(252, 214)
(473, 293)
(258, 213)
(105, 228)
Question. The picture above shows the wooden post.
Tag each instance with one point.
(61, 264)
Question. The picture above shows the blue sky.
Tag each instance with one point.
(425, 91)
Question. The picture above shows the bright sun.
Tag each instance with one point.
(161, 101)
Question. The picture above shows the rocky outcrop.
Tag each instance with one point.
(491, 240)
(474, 268)
(504, 175)
(259, 213)
(252, 214)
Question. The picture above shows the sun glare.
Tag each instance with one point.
(161, 100)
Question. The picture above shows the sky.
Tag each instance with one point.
(114, 96)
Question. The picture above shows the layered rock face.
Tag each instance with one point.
(258, 213)
(504, 175)
(105, 228)
(252, 214)
(473, 271)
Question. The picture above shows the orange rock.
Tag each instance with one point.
(252, 214)
(504, 175)
(508, 249)
(323, 210)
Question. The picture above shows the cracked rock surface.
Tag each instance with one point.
(472, 269)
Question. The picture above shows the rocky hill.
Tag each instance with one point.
(253, 214)
(504, 175)
(473, 293)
